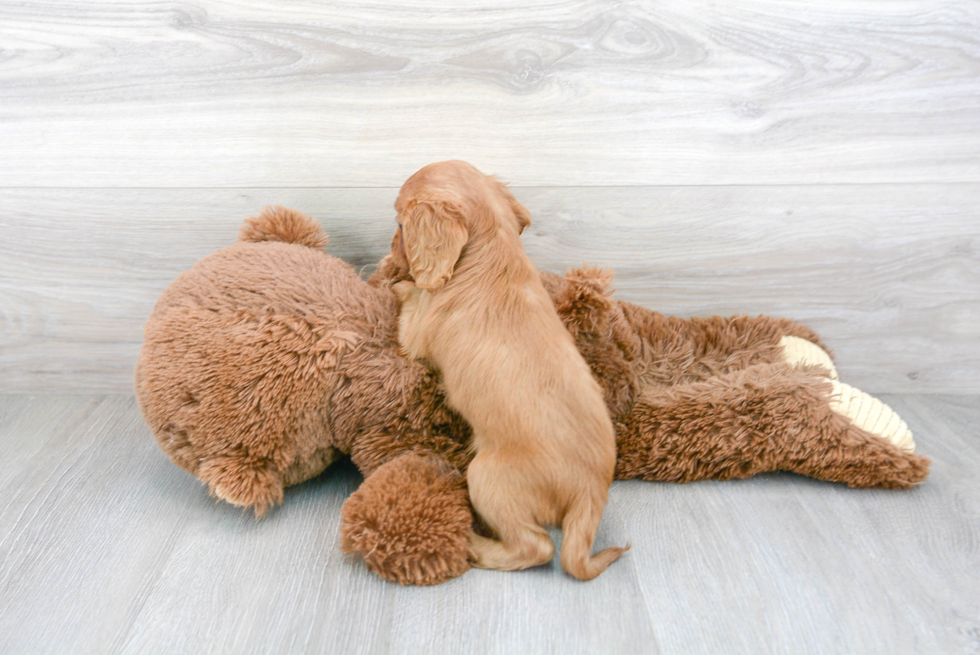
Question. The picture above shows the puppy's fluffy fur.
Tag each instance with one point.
(544, 442)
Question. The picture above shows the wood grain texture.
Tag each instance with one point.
(570, 93)
(107, 547)
(888, 274)
(813, 160)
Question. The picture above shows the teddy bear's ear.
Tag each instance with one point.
(585, 303)
(433, 234)
(277, 223)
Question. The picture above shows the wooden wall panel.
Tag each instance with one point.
(573, 93)
(888, 274)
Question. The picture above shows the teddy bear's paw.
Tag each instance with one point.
(870, 414)
(410, 521)
(800, 352)
(591, 280)
(585, 304)
(240, 482)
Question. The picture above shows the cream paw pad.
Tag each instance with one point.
(864, 410)
(872, 415)
(806, 353)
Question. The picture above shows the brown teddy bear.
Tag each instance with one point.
(269, 360)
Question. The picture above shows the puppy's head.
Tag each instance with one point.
(440, 209)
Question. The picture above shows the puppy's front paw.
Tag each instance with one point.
(388, 273)
(405, 290)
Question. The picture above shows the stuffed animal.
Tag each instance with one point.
(269, 360)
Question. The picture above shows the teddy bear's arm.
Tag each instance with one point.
(767, 417)
(410, 520)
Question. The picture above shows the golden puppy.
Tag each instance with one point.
(544, 442)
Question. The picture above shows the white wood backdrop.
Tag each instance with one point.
(815, 160)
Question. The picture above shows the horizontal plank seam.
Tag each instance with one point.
(513, 186)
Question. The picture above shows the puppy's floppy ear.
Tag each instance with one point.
(434, 235)
(520, 211)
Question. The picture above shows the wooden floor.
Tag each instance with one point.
(106, 547)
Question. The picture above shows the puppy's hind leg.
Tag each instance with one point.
(523, 543)
(579, 527)
(532, 548)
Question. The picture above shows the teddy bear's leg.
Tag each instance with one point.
(767, 417)
(678, 351)
(243, 481)
(410, 520)
(863, 409)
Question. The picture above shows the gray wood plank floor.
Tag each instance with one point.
(106, 547)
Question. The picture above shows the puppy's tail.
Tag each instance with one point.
(276, 223)
(579, 527)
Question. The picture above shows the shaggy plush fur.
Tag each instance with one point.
(412, 522)
(269, 359)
